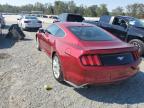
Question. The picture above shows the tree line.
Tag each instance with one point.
(136, 9)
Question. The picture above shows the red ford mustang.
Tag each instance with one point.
(83, 54)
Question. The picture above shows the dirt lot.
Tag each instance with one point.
(24, 71)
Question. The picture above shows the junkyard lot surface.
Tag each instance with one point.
(24, 71)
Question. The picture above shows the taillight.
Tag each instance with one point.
(90, 60)
(136, 55)
(26, 21)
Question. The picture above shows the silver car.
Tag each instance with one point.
(29, 22)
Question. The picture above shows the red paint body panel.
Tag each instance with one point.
(69, 49)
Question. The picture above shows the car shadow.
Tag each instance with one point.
(9, 42)
(128, 92)
(6, 42)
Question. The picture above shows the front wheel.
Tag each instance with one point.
(139, 44)
(57, 73)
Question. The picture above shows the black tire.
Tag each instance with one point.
(138, 43)
(37, 44)
(56, 68)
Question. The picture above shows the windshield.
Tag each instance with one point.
(74, 18)
(90, 33)
(30, 17)
(136, 22)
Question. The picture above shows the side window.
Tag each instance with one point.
(105, 18)
(123, 23)
(53, 29)
(120, 22)
(60, 33)
(61, 17)
(116, 21)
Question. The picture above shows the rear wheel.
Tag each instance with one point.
(57, 73)
(138, 43)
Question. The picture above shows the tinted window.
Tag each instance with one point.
(53, 29)
(105, 19)
(60, 33)
(30, 17)
(74, 18)
(90, 33)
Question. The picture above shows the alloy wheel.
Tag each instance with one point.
(56, 67)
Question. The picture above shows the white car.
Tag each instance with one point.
(29, 22)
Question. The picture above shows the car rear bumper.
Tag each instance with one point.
(109, 76)
(100, 75)
(29, 26)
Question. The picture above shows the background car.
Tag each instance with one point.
(29, 22)
(69, 17)
(2, 20)
(127, 28)
(84, 54)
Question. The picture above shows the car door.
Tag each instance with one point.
(49, 38)
(119, 29)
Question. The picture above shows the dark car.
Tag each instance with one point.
(69, 17)
(128, 29)
(84, 54)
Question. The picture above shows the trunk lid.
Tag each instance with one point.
(106, 46)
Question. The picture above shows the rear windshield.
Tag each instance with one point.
(90, 33)
(75, 18)
(30, 17)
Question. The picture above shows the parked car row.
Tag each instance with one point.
(90, 52)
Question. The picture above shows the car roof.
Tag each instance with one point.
(125, 17)
(68, 24)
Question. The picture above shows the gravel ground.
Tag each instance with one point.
(24, 71)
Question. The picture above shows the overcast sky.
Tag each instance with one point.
(111, 4)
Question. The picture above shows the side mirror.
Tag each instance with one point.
(41, 30)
